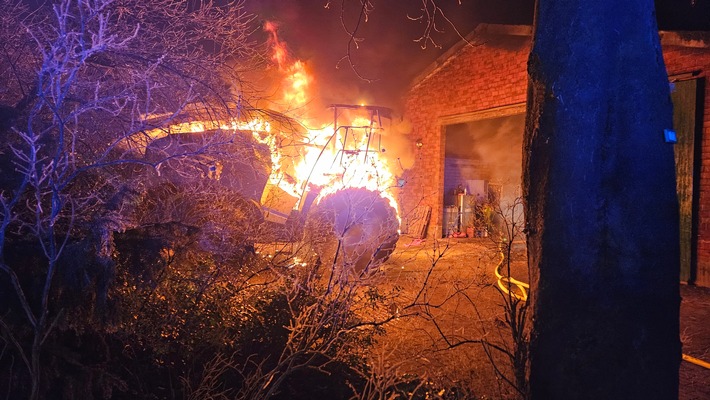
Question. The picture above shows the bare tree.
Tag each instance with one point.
(507, 233)
(91, 83)
(430, 15)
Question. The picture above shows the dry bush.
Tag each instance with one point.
(89, 83)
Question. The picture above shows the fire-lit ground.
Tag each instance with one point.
(695, 335)
(463, 304)
(454, 280)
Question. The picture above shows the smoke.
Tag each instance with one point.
(397, 146)
(492, 150)
(386, 57)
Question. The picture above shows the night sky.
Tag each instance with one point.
(389, 56)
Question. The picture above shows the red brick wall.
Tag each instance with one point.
(476, 78)
(493, 75)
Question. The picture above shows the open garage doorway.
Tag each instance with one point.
(482, 165)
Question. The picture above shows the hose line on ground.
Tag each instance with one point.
(696, 361)
(505, 283)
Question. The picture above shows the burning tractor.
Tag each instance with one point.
(329, 188)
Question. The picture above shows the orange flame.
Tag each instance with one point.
(349, 162)
(327, 157)
(296, 78)
(280, 52)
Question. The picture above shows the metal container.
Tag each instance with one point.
(450, 221)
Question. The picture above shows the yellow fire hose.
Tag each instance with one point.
(505, 282)
(696, 361)
(521, 293)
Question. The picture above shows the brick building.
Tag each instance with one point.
(467, 112)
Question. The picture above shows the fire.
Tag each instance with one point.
(298, 81)
(347, 158)
(296, 78)
(346, 153)
(329, 157)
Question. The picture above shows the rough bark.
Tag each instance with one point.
(601, 205)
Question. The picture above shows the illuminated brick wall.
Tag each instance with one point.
(469, 79)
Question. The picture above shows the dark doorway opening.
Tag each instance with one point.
(483, 159)
(687, 98)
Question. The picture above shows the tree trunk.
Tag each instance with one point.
(601, 205)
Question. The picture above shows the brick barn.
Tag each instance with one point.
(467, 112)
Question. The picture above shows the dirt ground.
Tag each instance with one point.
(695, 335)
(463, 307)
(458, 306)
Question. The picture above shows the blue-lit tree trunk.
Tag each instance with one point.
(601, 205)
